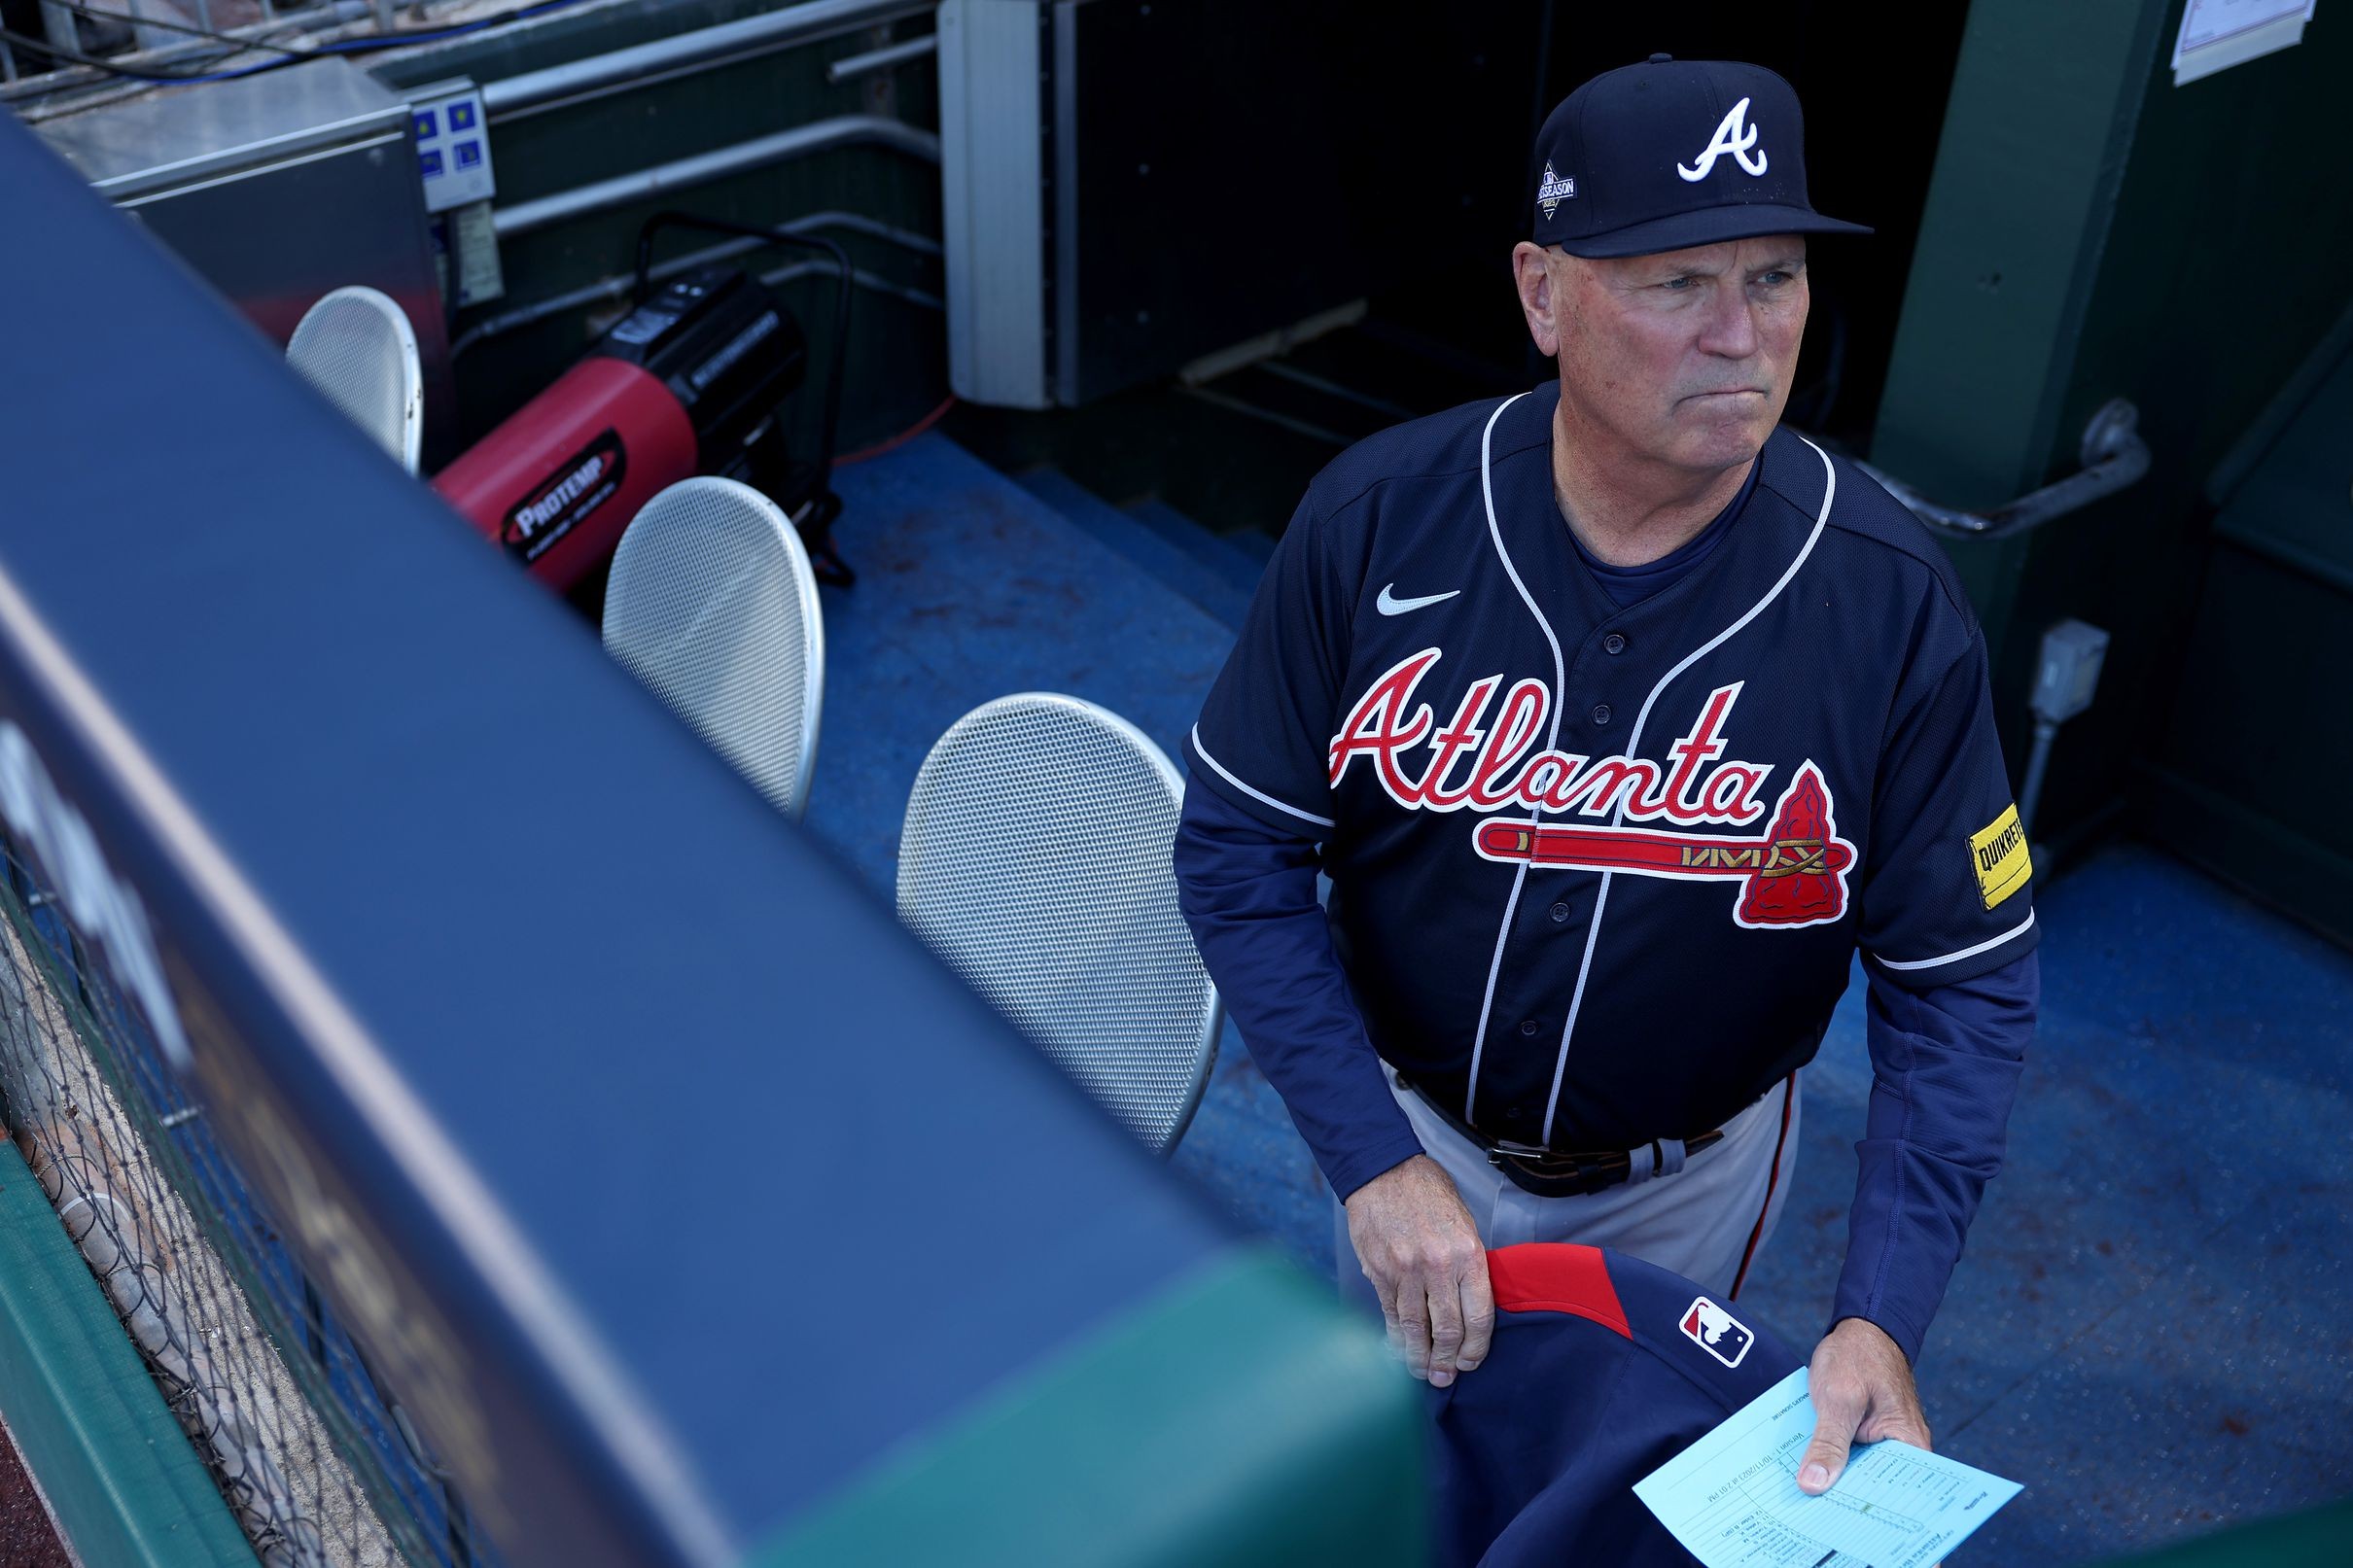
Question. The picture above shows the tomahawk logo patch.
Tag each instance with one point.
(1716, 1331)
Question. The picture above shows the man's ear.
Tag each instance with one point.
(1540, 300)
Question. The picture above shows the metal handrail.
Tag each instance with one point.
(615, 286)
(2112, 455)
(705, 47)
(845, 130)
(283, 23)
(882, 59)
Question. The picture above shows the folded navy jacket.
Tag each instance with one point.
(1603, 1369)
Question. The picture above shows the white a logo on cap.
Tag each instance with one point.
(1733, 135)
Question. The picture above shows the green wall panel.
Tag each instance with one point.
(2038, 118)
(1246, 1420)
(2294, 504)
(2322, 1537)
(128, 1489)
(2251, 783)
(2095, 232)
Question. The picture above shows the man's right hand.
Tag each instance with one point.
(1421, 1249)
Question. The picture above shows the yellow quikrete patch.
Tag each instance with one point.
(1998, 855)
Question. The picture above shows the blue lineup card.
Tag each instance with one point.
(1732, 1498)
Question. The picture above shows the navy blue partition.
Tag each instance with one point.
(665, 1177)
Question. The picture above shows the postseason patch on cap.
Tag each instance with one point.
(1997, 853)
(1554, 191)
(1716, 1331)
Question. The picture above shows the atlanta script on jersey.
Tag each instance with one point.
(1793, 874)
(1570, 843)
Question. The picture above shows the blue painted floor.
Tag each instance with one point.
(2148, 1329)
(2151, 1329)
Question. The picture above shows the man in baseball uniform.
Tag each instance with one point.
(1620, 718)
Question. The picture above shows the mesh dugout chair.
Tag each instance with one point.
(356, 346)
(1034, 860)
(713, 605)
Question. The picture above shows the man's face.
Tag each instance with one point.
(1686, 356)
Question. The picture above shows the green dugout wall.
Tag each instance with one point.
(2093, 230)
(125, 1485)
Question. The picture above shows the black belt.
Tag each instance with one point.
(1549, 1174)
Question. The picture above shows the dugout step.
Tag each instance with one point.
(1239, 557)
(1177, 551)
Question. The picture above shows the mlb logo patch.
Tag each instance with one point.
(1717, 1332)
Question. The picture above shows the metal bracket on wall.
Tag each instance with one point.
(2112, 454)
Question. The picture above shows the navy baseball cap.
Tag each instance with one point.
(1670, 154)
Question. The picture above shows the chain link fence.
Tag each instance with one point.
(319, 1464)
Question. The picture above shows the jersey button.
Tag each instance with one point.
(1559, 912)
(1600, 713)
(1613, 644)
(1528, 1026)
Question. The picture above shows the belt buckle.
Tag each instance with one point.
(1581, 1177)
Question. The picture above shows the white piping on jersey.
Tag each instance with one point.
(1494, 967)
(1593, 930)
(1991, 942)
(1220, 770)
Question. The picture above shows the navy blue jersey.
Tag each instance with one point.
(1603, 1369)
(1597, 872)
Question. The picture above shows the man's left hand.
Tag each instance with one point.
(1862, 1391)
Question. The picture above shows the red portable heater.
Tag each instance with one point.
(691, 381)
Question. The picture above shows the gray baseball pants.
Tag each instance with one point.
(1706, 1221)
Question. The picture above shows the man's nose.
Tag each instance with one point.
(1729, 329)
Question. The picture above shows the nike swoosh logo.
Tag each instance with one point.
(1388, 604)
